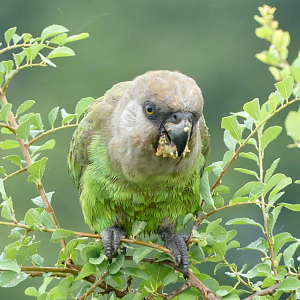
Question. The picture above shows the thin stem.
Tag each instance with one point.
(248, 138)
(269, 291)
(20, 46)
(94, 286)
(15, 173)
(203, 217)
(27, 157)
(263, 204)
(50, 131)
(177, 291)
(7, 127)
(238, 277)
(5, 86)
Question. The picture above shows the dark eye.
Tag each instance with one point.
(149, 109)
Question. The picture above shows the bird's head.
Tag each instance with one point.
(159, 123)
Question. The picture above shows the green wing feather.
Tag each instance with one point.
(78, 156)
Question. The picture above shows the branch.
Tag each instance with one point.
(94, 286)
(248, 138)
(269, 291)
(50, 131)
(263, 205)
(177, 291)
(20, 46)
(5, 86)
(89, 235)
(7, 127)
(15, 173)
(27, 157)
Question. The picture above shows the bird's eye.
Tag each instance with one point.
(149, 109)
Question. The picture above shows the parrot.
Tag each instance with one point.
(138, 155)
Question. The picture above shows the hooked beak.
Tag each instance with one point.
(179, 133)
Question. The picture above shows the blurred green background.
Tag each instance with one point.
(211, 41)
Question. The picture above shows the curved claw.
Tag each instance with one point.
(175, 242)
(111, 237)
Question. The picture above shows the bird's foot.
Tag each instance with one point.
(175, 242)
(111, 238)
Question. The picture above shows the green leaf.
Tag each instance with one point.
(15, 159)
(253, 109)
(11, 279)
(9, 265)
(135, 272)
(33, 217)
(52, 31)
(137, 227)
(293, 207)
(222, 189)
(187, 218)
(77, 37)
(289, 284)
(273, 181)
(205, 190)
(82, 106)
(25, 252)
(61, 52)
(141, 253)
(243, 221)
(220, 248)
(229, 141)
(65, 286)
(249, 155)
(259, 245)
(285, 87)
(9, 144)
(7, 65)
(9, 34)
(46, 220)
(292, 125)
(190, 295)
(231, 124)
(53, 115)
(117, 264)
(38, 201)
(36, 120)
(288, 254)
(246, 189)
(2, 170)
(271, 170)
(66, 117)
(281, 185)
(47, 61)
(212, 225)
(297, 181)
(280, 240)
(25, 106)
(48, 145)
(32, 291)
(245, 171)
(36, 170)
(273, 100)
(219, 234)
(172, 277)
(89, 252)
(273, 217)
(60, 234)
(4, 113)
(198, 254)
(23, 130)
(270, 135)
(26, 37)
(59, 39)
